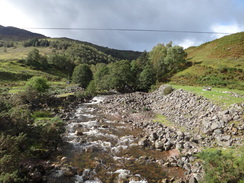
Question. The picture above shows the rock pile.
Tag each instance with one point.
(194, 123)
(195, 114)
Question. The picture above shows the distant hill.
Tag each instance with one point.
(16, 44)
(119, 54)
(16, 34)
(219, 63)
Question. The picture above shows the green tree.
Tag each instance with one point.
(101, 77)
(147, 78)
(167, 59)
(82, 75)
(36, 60)
(157, 56)
(33, 58)
(60, 61)
(143, 60)
(37, 83)
(175, 59)
(120, 76)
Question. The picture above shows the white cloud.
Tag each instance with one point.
(186, 43)
(176, 15)
(12, 16)
(229, 29)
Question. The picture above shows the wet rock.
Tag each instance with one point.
(68, 172)
(134, 179)
(36, 176)
(64, 159)
(79, 132)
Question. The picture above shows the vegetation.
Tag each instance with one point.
(21, 139)
(28, 131)
(223, 166)
(219, 63)
(82, 75)
(37, 83)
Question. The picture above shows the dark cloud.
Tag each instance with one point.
(193, 15)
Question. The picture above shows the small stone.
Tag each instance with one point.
(64, 159)
(78, 132)
(214, 126)
(226, 137)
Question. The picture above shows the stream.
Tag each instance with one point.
(100, 149)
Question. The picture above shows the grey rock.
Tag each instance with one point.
(192, 179)
(214, 126)
(226, 137)
(167, 146)
(180, 163)
(159, 144)
(143, 142)
(217, 132)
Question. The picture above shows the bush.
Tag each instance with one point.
(223, 166)
(38, 83)
(50, 136)
(91, 89)
(167, 89)
(41, 114)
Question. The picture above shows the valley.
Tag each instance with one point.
(72, 111)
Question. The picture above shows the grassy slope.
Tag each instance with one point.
(227, 51)
(223, 58)
(221, 96)
(12, 70)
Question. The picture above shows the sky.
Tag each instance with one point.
(222, 16)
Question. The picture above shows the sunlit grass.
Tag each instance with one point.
(164, 121)
(219, 95)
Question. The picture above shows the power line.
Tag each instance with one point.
(126, 30)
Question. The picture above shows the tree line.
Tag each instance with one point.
(138, 75)
(99, 72)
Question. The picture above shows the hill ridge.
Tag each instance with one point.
(10, 33)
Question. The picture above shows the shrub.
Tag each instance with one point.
(82, 75)
(91, 89)
(51, 133)
(167, 90)
(38, 83)
(41, 114)
(222, 166)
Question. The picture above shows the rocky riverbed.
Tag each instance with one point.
(143, 137)
(105, 148)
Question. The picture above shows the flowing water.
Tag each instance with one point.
(103, 150)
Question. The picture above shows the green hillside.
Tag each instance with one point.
(13, 56)
(216, 63)
(227, 51)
